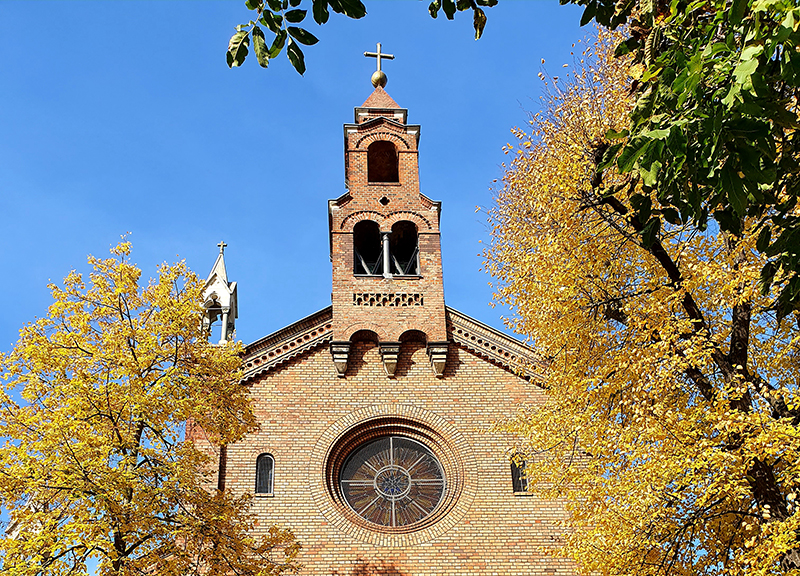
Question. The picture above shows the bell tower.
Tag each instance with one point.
(384, 238)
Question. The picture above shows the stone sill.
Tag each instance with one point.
(392, 277)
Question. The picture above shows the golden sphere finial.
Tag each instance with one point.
(379, 79)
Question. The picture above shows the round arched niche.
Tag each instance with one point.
(382, 162)
(438, 442)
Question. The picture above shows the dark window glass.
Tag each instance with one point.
(382, 162)
(367, 248)
(265, 466)
(404, 248)
(392, 481)
(518, 479)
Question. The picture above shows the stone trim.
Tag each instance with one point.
(495, 346)
(287, 343)
(443, 438)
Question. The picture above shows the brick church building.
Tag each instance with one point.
(374, 412)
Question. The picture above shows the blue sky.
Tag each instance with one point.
(123, 117)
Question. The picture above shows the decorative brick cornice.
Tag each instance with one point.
(287, 343)
(317, 330)
(495, 346)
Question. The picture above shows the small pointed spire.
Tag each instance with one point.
(219, 298)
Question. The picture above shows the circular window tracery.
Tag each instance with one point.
(392, 481)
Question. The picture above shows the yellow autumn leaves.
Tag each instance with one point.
(94, 460)
(671, 429)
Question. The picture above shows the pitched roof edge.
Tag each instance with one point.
(495, 346)
(288, 342)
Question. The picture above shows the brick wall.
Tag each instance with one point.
(303, 407)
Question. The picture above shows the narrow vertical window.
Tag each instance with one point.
(265, 468)
(367, 248)
(404, 248)
(518, 478)
(382, 162)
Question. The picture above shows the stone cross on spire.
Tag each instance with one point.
(222, 246)
(379, 77)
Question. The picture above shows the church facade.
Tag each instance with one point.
(374, 444)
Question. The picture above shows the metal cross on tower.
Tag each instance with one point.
(222, 246)
(379, 77)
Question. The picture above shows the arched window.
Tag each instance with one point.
(367, 248)
(382, 162)
(518, 478)
(265, 470)
(404, 248)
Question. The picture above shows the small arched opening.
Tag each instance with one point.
(367, 248)
(404, 248)
(382, 162)
(265, 472)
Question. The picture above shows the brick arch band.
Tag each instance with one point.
(385, 221)
(367, 139)
(441, 437)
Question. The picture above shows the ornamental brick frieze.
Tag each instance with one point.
(288, 343)
(371, 137)
(387, 299)
(385, 220)
(495, 346)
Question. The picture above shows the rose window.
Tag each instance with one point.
(392, 481)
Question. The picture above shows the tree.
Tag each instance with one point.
(671, 426)
(94, 463)
(714, 128)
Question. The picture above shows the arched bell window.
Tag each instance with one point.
(382, 162)
(265, 472)
(367, 248)
(404, 248)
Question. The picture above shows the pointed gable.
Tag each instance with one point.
(380, 99)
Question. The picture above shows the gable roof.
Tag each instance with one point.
(316, 330)
(380, 99)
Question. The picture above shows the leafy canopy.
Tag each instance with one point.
(671, 426)
(279, 15)
(94, 459)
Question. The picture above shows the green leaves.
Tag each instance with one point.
(351, 8)
(295, 16)
(449, 7)
(277, 44)
(479, 22)
(277, 15)
(737, 197)
(320, 9)
(237, 48)
(711, 134)
(296, 57)
(302, 36)
(260, 47)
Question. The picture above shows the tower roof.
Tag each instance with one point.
(380, 99)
